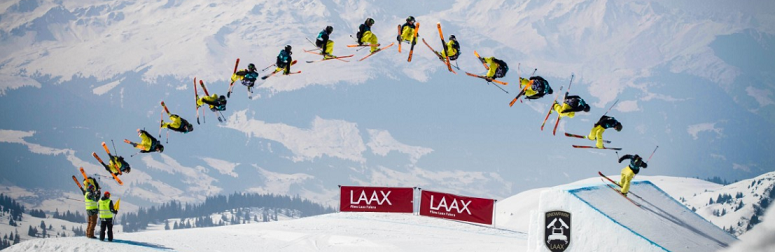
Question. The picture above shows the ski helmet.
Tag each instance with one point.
(160, 148)
(586, 107)
(251, 67)
(329, 29)
(288, 48)
(410, 19)
(128, 169)
(452, 37)
(107, 194)
(369, 21)
(618, 126)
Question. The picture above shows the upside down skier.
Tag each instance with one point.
(215, 102)
(147, 144)
(498, 68)
(451, 49)
(636, 162)
(178, 124)
(537, 87)
(571, 105)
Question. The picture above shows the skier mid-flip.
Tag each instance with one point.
(605, 122)
(366, 37)
(247, 76)
(536, 88)
(148, 143)
(407, 31)
(178, 123)
(452, 49)
(571, 105)
(216, 103)
(497, 68)
(284, 60)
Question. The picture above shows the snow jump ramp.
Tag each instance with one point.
(596, 218)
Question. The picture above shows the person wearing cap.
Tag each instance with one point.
(148, 143)
(90, 197)
(106, 212)
(365, 36)
(452, 48)
(324, 43)
(407, 31)
(247, 76)
(628, 173)
(605, 122)
(571, 105)
(284, 60)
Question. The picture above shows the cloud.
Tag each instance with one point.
(381, 143)
(223, 166)
(762, 96)
(718, 156)
(741, 167)
(455, 181)
(106, 88)
(333, 138)
(628, 106)
(695, 129)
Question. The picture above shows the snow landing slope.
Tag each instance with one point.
(602, 220)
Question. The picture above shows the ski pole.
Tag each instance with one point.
(612, 106)
(534, 72)
(488, 83)
(267, 67)
(617, 155)
(652, 154)
(134, 154)
(114, 147)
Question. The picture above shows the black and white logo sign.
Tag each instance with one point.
(557, 232)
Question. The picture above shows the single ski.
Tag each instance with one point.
(228, 94)
(489, 79)
(105, 146)
(582, 137)
(617, 184)
(620, 193)
(83, 173)
(414, 41)
(378, 50)
(443, 48)
(162, 121)
(364, 45)
(594, 147)
(340, 58)
(482, 60)
(439, 56)
(399, 38)
(521, 92)
(196, 102)
(551, 108)
(554, 132)
(77, 183)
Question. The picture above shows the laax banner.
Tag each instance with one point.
(376, 199)
(557, 232)
(450, 206)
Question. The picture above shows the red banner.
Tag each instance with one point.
(376, 199)
(450, 206)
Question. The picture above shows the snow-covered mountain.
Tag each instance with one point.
(691, 77)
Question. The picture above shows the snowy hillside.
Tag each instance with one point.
(409, 232)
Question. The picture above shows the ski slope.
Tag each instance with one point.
(601, 221)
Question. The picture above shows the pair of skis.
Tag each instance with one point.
(374, 52)
(196, 95)
(414, 41)
(552, 107)
(521, 92)
(105, 146)
(319, 51)
(618, 191)
(444, 58)
(276, 71)
(83, 173)
(228, 94)
(486, 67)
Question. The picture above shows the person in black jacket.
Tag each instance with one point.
(636, 162)
(324, 43)
(605, 122)
(537, 87)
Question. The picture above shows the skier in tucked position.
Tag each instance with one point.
(178, 124)
(365, 36)
(636, 162)
(106, 212)
(216, 103)
(324, 43)
(284, 60)
(246, 76)
(452, 49)
(498, 68)
(605, 122)
(407, 31)
(537, 87)
(148, 143)
(571, 105)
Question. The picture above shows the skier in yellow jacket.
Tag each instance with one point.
(407, 31)
(366, 37)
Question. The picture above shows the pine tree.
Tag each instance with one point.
(166, 225)
(16, 239)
